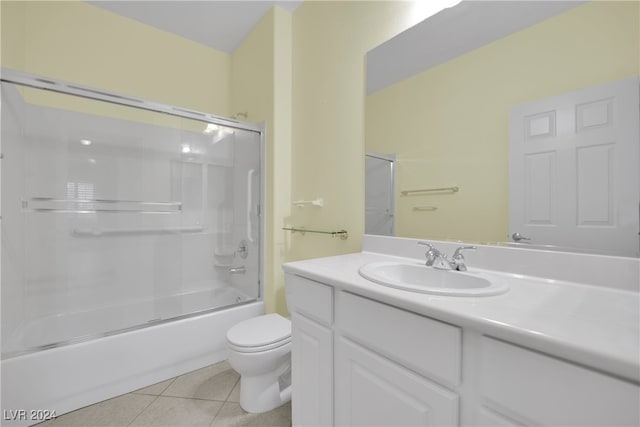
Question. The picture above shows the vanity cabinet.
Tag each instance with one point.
(359, 361)
(311, 307)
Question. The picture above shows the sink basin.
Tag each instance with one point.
(429, 280)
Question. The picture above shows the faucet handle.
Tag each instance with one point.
(432, 253)
(458, 252)
(431, 248)
(458, 258)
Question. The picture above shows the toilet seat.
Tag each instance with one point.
(260, 333)
(258, 349)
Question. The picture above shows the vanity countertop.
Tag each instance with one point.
(590, 325)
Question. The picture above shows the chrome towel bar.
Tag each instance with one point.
(431, 190)
(343, 234)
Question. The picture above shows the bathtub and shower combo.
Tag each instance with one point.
(131, 242)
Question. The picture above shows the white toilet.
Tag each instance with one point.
(260, 351)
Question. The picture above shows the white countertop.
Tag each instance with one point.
(590, 325)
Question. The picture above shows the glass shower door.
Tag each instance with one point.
(116, 217)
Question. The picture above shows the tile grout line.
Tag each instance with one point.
(153, 394)
(150, 403)
(232, 388)
(226, 400)
(168, 385)
(213, 420)
(143, 409)
(193, 398)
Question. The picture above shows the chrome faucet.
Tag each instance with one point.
(437, 259)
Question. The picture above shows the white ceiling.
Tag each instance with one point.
(219, 24)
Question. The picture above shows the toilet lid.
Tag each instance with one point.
(260, 331)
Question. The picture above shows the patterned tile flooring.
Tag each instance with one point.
(207, 397)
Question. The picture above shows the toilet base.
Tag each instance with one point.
(262, 393)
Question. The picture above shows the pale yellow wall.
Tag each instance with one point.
(281, 160)
(252, 73)
(261, 87)
(330, 40)
(81, 43)
(314, 112)
(449, 125)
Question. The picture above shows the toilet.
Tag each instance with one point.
(259, 350)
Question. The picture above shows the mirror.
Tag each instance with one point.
(504, 118)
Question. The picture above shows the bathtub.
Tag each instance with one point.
(69, 377)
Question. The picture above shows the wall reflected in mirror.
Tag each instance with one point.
(449, 114)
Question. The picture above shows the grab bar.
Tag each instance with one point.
(50, 204)
(82, 232)
(431, 190)
(249, 203)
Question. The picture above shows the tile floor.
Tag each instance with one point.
(207, 397)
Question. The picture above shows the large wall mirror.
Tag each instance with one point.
(512, 123)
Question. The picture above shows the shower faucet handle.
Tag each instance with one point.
(243, 249)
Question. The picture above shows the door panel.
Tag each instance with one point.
(371, 390)
(312, 373)
(573, 165)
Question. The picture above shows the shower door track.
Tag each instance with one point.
(54, 85)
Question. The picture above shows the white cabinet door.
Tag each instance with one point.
(371, 390)
(574, 169)
(539, 390)
(312, 373)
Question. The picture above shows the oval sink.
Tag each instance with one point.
(429, 280)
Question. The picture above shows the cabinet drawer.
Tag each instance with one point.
(538, 389)
(421, 344)
(313, 299)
